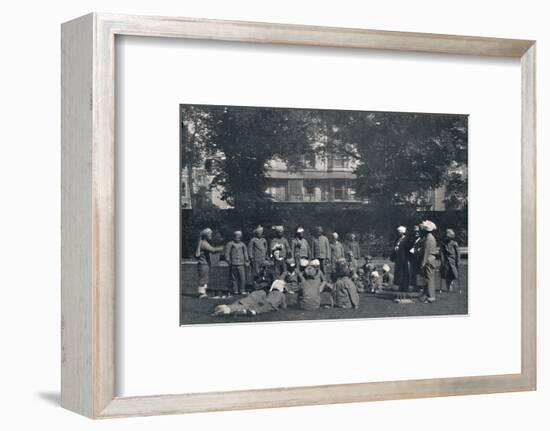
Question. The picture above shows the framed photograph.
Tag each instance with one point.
(263, 215)
(351, 176)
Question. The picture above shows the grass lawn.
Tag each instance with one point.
(197, 311)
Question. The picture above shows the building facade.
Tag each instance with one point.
(323, 179)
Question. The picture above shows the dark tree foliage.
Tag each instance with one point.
(398, 156)
(242, 141)
(457, 192)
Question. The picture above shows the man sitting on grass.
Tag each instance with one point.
(311, 286)
(291, 277)
(345, 290)
(381, 282)
(265, 276)
(387, 277)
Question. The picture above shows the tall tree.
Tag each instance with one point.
(242, 142)
(400, 156)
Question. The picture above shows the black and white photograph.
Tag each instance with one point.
(305, 214)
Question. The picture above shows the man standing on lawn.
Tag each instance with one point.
(300, 246)
(336, 250)
(280, 242)
(353, 245)
(321, 248)
(401, 259)
(426, 260)
(236, 255)
(257, 251)
(202, 254)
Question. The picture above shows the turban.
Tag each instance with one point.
(310, 271)
(278, 228)
(277, 285)
(300, 230)
(375, 274)
(304, 262)
(206, 232)
(401, 229)
(222, 309)
(386, 267)
(259, 229)
(427, 225)
(335, 235)
(315, 263)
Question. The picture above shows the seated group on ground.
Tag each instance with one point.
(325, 274)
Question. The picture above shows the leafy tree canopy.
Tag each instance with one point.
(398, 156)
(242, 142)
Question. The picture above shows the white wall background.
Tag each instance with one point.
(29, 216)
(154, 78)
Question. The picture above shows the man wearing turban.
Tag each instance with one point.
(426, 260)
(400, 256)
(300, 246)
(236, 255)
(257, 251)
(202, 254)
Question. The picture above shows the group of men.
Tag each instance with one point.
(278, 250)
(414, 256)
(417, 256)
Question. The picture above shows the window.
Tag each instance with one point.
(339, 190)
(339, 162)
(352, 195)
(309, 188)
(325, 191)
(277, 191)
(309, 191)
(343, 190)
(296, 190)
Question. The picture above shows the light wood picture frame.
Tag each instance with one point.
(88, 214)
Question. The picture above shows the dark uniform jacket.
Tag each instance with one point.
(320, 247)
(345, 293)
(300, 249)
(336, 251)
(353, 246)
(291, 279)
(257, 249)
(236, 253)
(401, 259)
(285, 252)
(264, 280)
(449, 255)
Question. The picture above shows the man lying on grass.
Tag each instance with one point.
(258, 302)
